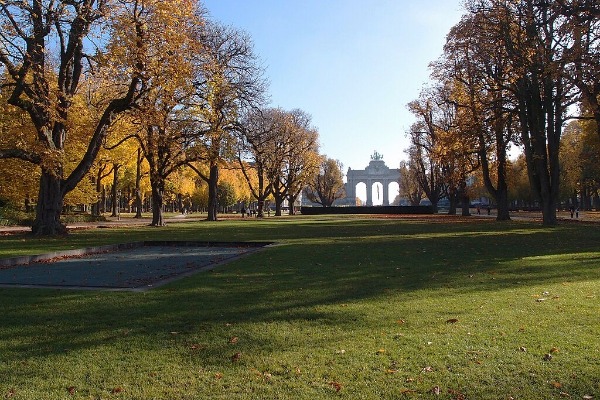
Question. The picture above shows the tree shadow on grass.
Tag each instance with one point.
(293, 285)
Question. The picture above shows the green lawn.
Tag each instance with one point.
(344, 307)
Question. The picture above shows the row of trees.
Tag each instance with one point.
(512, 75)
(91, 88)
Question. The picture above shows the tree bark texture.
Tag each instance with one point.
(49, 207)
(213, 183)
(157, 204)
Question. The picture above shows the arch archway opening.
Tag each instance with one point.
(394, 193)
(361, 194)
(377, 194)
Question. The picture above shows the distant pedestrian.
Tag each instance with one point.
(572, 210)
(243, 211)
(489, 210)
(577, 212)
(478, 209)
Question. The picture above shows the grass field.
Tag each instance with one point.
(343, 307)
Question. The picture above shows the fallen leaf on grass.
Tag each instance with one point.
(336, 385)
(71, 390)
(457, 395)
(547, 357)
(407, 391)
(554, 350)
(452, 321)
(564, 394)
(236, 357)
(400, 321)
(117, 390)
(218, 375)
(556, 385)
(9, 394)
(427, 369)
(436, 390)
(233, 340)
(380, 351)
(588, 397)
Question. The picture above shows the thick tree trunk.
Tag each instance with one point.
(549, 212)
(278, 205)
(452, 199)
(213, 183)
(49, 207)
(466, 206)
(502, 205)
(260, 211)
(157, 205)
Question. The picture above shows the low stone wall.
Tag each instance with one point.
(367, 210)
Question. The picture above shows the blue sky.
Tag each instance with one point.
(352, 64)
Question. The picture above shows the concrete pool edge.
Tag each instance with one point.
(251, 247)
(45, 257)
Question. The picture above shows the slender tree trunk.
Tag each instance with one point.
(103, 200)
(49, 207)
(27, 203)
(292, 201)
(96, 204)
(115, 189)
(464, 198)
(213, 182)
(138, 182)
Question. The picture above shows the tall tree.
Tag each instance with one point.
(256, 151)
(531, 34)
(44, 49)
(295, 159)
(229, 80)
(164, 129)
(582, 26)
(479, 70)
(409, 185)
(328, 185)
(425, 145)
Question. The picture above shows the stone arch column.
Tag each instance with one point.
(386, 192)
(369, 184)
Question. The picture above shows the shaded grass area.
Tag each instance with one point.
(344, 307)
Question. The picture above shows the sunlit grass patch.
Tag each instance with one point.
(343, 307)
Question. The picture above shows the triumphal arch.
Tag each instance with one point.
(376, 172)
